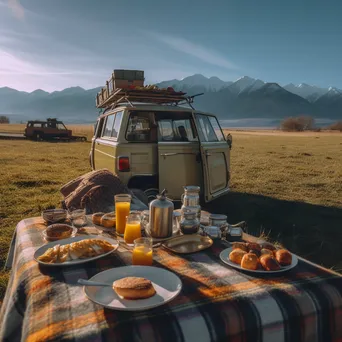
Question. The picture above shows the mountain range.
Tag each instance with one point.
(246, 98)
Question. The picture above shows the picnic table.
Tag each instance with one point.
(217, 302)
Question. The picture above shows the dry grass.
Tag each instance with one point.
(304, 168)
(266, 169)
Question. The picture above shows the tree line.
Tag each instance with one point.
(4, 119)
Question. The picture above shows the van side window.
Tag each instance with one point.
(117, 124)
(217, 128)
(206, 131)
(107, 130)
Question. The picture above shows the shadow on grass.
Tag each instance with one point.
(311, 231)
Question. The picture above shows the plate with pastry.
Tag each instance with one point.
(258, 258)
(76, 250)
(133, 288)
(59, 231)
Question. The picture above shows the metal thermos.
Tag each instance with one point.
(161, 217)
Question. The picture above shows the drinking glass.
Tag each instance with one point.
(142, 252)
(78, 217)
(122, 208)
(133, 229)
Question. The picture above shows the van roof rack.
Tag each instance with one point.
(105, 99)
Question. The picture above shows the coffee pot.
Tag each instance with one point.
(161, 217)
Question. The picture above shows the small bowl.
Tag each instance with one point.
(54, 215)
(50, 239)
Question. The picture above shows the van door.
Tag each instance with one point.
(215, 154)
(106, 142)
(178, 156)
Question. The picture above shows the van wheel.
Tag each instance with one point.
(37, 136)
(151, 194)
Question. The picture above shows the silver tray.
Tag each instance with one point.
(186, 244)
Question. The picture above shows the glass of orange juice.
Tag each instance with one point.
(142, 252)
(133, 229)
(122, 208)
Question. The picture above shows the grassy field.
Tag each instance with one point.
(287, 186)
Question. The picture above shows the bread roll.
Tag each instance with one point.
(134, 288)
(266, 251)
(267, 245)
(255, 251)
(269, 263)
(236, 255)
(96, 218)
(108, 220)
(284, 257)
(254, 246)
(240, 245)
(250, 261)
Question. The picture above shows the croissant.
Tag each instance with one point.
(76, 250)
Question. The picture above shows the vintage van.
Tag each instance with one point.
(153, 147)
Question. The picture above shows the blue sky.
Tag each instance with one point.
(54, 44)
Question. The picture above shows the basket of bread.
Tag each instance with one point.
(258, 257)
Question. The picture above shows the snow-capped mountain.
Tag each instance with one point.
(306, 91)
(197, 80)
(257, 84)
(244, 98)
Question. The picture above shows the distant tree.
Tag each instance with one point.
(308, 122)
(298, 124)
(337, 126)
(4, 119)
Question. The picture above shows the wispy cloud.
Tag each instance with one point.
(16, 8)
(201, 52)
(14, 65)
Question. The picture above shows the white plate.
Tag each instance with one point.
(166, 284)
(224, 257)
(40, 251)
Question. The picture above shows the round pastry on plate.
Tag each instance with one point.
(250, 261)
(236, 255)
(108, 220)
(134, 288)
(267, 245)
(269, 263)
(254, 246)
(284, 257)
(266, 251)
(240, 245)
(96, 218)
(255, 251)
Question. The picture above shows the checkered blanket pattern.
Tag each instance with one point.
(217, 302)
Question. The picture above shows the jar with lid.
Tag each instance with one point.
(145, 219)
(189, 223)
(191, 198)
(212, 231)
(219, 220)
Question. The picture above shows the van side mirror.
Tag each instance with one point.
(229, 140)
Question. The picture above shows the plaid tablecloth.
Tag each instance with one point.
(217, 302)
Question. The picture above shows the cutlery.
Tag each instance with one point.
(92, 283)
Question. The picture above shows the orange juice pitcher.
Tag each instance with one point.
(122, 208)
(133, 229)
